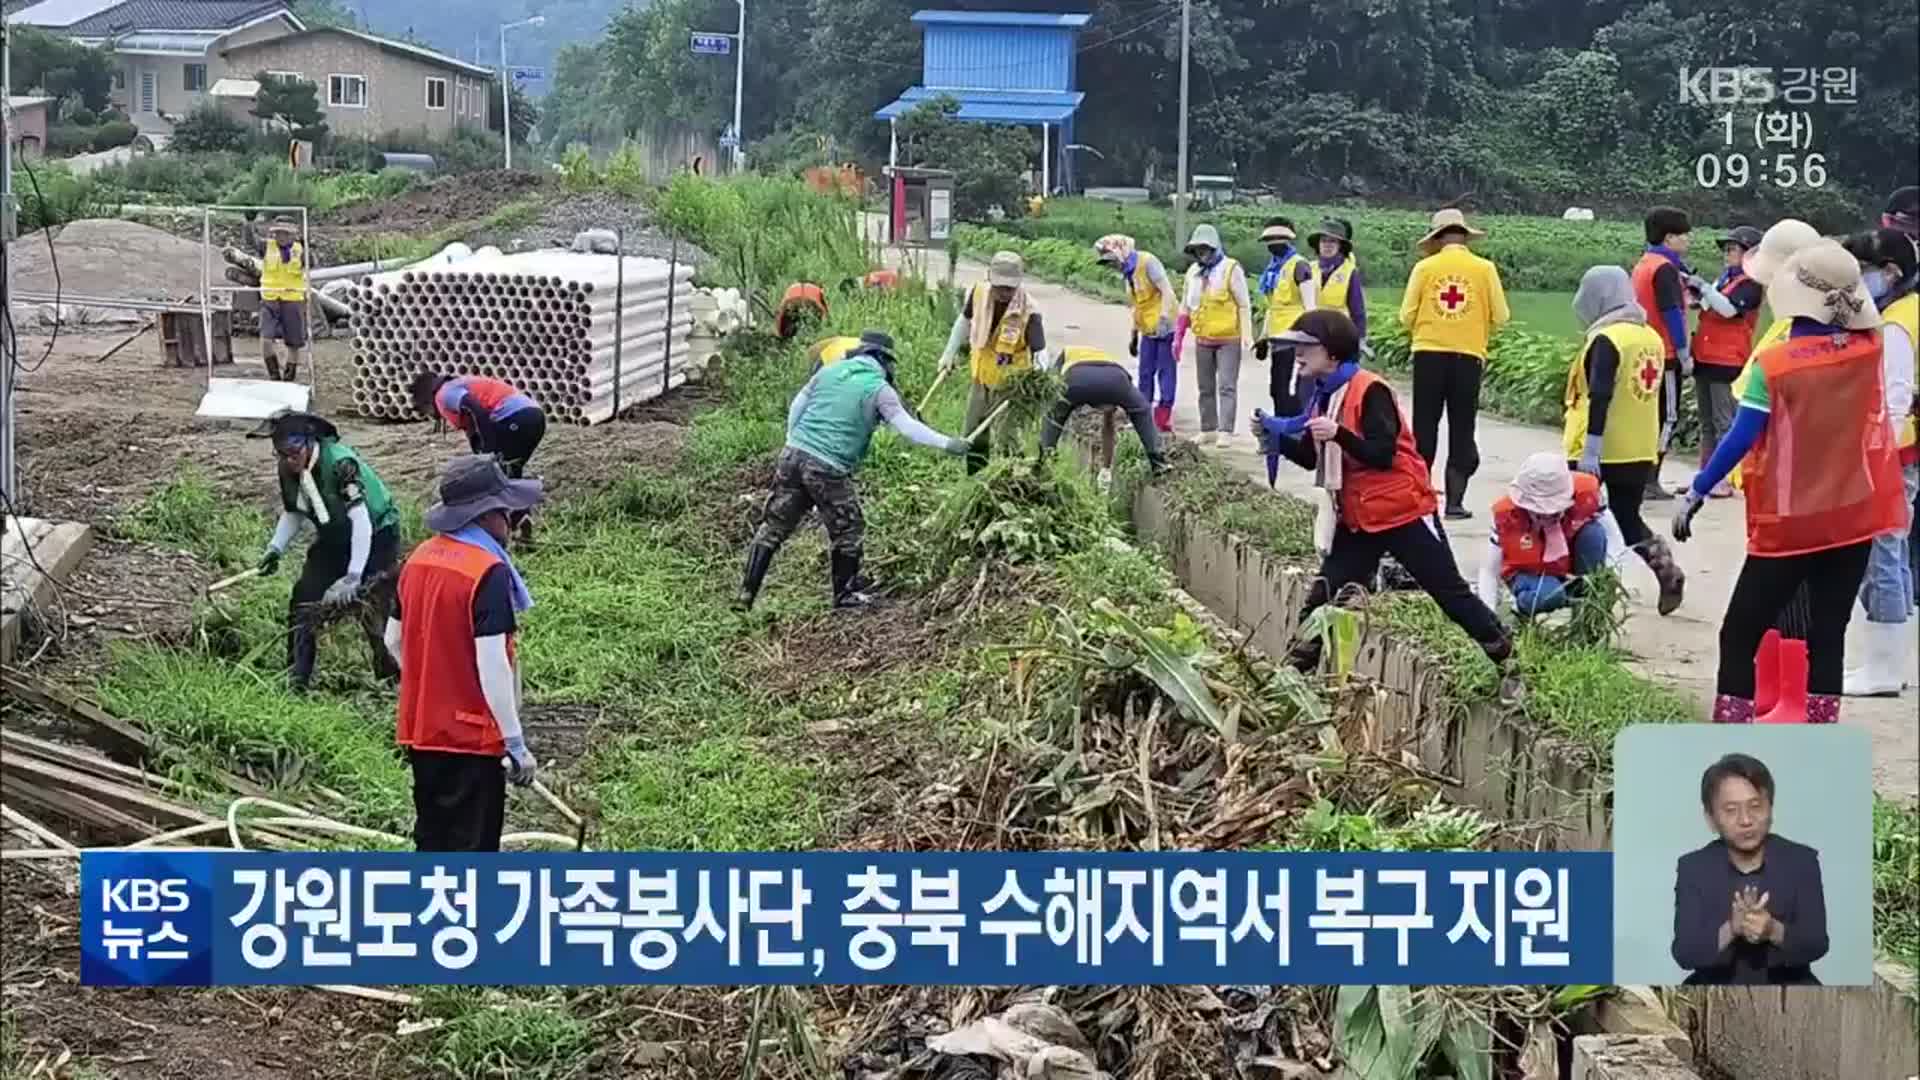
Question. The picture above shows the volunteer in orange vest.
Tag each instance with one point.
(1823, 477)
(1453, 304)
(1612, 425)
(1723, 339)
(1094, 381)
(1219, 312)
(497, 418)
(1355, 438)
(804, 304)
(1660, 285)
(1549, 531)
(1002, 333)
(452, 632)
(1890, 266)
(1153, 305)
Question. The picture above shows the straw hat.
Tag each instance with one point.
(1543, 485)
(1822, 282)
(1006, 270)
(1786, 237)
(1274, 234)
(1450, 218)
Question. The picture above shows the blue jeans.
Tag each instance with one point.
(1887, 590)
(1158, 369)
(1537, 594)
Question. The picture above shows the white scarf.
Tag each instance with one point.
(309, 491)
(1326, 480)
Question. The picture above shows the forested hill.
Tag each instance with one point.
(457, 27)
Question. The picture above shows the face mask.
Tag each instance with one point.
(1279, 249)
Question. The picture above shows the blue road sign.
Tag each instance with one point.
(712, 44)
(529, 74)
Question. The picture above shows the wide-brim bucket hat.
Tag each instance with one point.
(1544, 484)
(1776, 246)
(1204, 236)
(1442, 220)
(474, 484)
(1007, 270)
(1334, 228)
(1822, 282)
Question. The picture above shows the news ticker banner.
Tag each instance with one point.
(158, 918)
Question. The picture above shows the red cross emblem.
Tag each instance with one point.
(1649, 375)
(1453, 298)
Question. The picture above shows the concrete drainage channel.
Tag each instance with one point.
(1510, 772)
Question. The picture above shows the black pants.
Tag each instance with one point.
(1448, 383)
(1098, 386)
(1829, 579)
(1626, 484)
(326, 561)
(1419, 549)
(514, 438)
(459, 801)
(1286, 401)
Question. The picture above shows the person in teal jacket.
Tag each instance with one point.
(355, 556)
(829, 427)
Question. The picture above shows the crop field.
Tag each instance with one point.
(1032, 679)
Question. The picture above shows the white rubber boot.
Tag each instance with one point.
(1879, 672)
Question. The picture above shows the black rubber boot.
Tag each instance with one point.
(273, 366)
(849, 588)
(1655, 492)
(1457, 496)
(758, 560)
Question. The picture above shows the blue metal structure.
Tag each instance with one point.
(1004, 68)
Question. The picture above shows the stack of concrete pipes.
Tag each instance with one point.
(576, 332)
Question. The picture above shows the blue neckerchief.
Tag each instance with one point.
(1330, 383)
(1129, 263)
(482, 539)
(1805, 327)
(1726, 275)
(1270, 277)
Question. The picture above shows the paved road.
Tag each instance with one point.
(1679, 650)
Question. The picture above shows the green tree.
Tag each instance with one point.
(317, 13)
(526, 114)
(990, 162)
(292, 103)
(57, 66)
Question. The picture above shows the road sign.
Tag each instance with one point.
(712, 44)
(529, 74)
(728, 142)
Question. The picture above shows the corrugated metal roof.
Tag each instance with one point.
(179, 43)
(174, 15)
(1001, 18)
(993, 106)
(58, 14)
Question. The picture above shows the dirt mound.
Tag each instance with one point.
(561, 219)
(108, 258)
(442, 202)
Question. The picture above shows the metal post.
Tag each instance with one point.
(1046, 162)
(206, 289)
(1180, 192)
(506, 99)
(9, 478)
(673, 288)
(620, 308)
(739, 81)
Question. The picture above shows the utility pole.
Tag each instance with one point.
(739, 82)
(1180, 191)
(10, 345)
(506, 83)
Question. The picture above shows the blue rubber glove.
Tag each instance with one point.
(520, 764)
(1590, 456)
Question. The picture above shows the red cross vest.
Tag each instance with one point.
(1375, 500)
(1522, 549)
(1643, 272)
(1722, 342)
(1825, 472)
(441, 705)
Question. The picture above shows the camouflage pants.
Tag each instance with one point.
(802, 482)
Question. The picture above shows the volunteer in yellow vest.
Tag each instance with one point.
(1889, 267)
(1729, 314)
(1095, 381)
(1357, 442)
(1453, 304)
(1548, 532)
(1216, 308)
(1612, 427)
(1153, 305)
(1291, 284)
(283, 296)
(1823, 477)
(1341, 287)
(1001, 332)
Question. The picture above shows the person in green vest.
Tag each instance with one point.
(830, 424)
(354, 559)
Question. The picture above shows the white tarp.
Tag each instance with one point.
(252, 399)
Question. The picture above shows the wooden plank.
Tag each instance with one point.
(55, 776)
(113, 735)
(72, 806)
(57, 548)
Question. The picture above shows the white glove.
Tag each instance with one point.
(342, 591)
(1043, 360)
(1163, 327)
(520, 763)
(946, 363)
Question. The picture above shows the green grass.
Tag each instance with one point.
(187, 514)
(718, 793)
(487, 1034)
(1896, 879)
(367, 247)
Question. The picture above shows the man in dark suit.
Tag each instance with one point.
(1747, 908)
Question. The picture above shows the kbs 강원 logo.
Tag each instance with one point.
(1726, 86)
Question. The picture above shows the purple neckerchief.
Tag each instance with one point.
(1805, 327)
(1670, 255)
(1328, 266)
(1726, 275)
